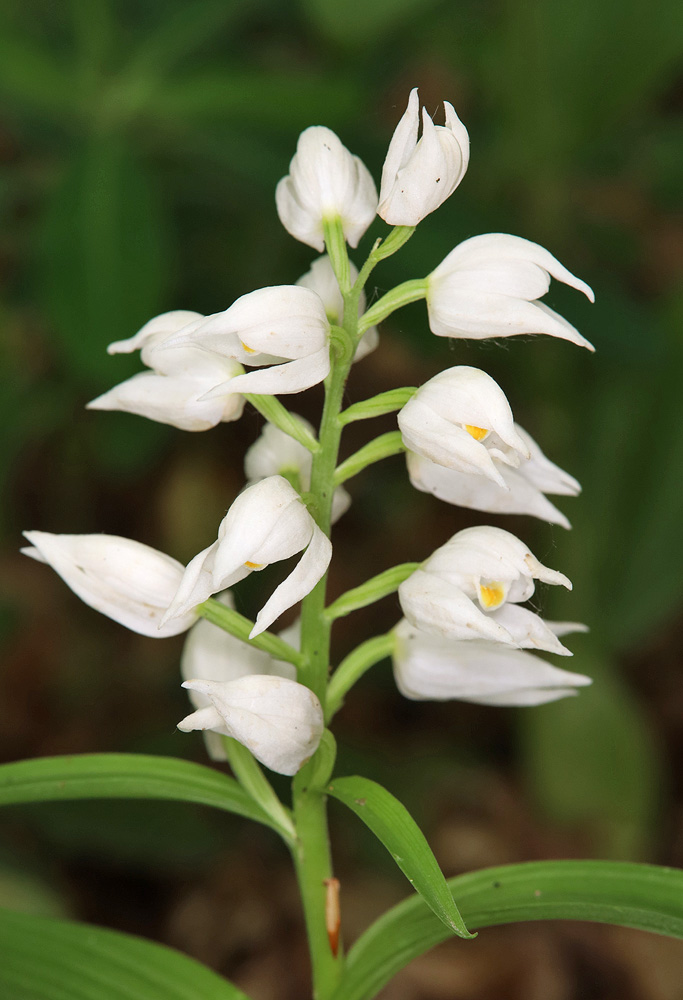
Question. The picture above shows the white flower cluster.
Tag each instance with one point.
(465, 634)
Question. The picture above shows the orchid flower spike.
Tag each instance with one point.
(125, 580)
(461, 420)
(470, 588)
(266, 523)
(322, 280)
(522, 491)
(211, 654)
(283, 327)
(275, 453)
(420, 174)
(488, 287)
(325, 182)
(429, 667)
(277, 719)
(174, 391)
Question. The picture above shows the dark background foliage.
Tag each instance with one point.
(139, 148)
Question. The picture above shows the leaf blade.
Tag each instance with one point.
(393, 825)
(46, 959)
(645, 897)
(120, 775)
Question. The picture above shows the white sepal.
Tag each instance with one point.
(325, 182)
(266, 523)
(488, 673)
(488, 287)
(123, 579)
(420, 174)
(461, 420)
(278, 720)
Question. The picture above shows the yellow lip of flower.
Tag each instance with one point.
(491, 594)
(249, 350)
(478, 433)
(253, 565)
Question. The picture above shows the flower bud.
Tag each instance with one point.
(266, 523)
(420, 174)
(125, 580)
(325, 182)
(461, 420)
(488, 287)
(278, 720)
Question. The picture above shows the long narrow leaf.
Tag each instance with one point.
(646, 897)
(124, 776)
(45, 959)
(393, 825)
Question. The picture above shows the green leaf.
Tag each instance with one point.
(124, 776)
(391, 823)
(646, 897)
(45, 959)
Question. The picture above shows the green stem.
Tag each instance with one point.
(376, 406)
(383, 446)
(409, 291)
(239, 626)
(372, 590)
(313, 865)
(354, 666)
(398, 236)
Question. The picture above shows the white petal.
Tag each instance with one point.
(402, 144)
(167, 399)
(123, 579)
(528, 630)
(278, 720)
(309, 570)
(294, 376)
(440, 608)
(275, 452)
(543, 473)
(504, 247)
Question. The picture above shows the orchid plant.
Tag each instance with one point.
(262, 697)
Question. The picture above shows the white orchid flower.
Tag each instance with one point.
(325, 182)
(283, 327)
(488, 286)
(277, 719)
(522, 493)
(420, 174)
(174, 391)
(321, 279)
(427, 667)
(461, 420)
(275, 453)
(460, 590)
(266, 523)
(212, 654)
(125, 580)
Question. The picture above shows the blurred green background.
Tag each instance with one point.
(140, 144)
